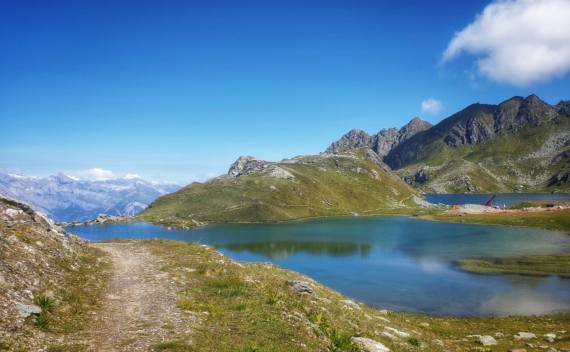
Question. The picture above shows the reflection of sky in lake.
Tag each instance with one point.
(391, 262)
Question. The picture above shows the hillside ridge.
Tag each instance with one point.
(519, 145)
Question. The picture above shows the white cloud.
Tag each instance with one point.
(432, 106)
(96, 174)
(520, 42)
(130, 176)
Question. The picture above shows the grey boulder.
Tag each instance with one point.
(28, 309)
(301, 288)
(369, 345)
(487, 340)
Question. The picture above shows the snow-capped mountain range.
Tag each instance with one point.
(64, 198)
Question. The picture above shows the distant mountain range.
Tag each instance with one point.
(66, 199)
(520, 145)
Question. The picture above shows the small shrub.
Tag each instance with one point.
(42, 321)
(226, 282)
(414, 342)
(204, 269)
(340, 342)
(185, 303)
(273, 297)
(238, 307)
(54, 349)
(320, 319)
(170, 346)
(45, 303)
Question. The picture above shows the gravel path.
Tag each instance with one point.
(476, 208)
(141, 306)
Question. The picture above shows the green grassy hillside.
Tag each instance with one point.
(323, 185)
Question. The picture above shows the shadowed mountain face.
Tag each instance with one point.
(522, 144)
(66, 199)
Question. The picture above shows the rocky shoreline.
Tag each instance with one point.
(101, 219)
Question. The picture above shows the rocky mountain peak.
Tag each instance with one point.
(414, 126)
(354, 139)
(61, 178)
(247, 165)
(516, 113)
(382, 142)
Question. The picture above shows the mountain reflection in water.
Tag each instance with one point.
(283, 249)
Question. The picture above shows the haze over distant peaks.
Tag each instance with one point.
(66, 198)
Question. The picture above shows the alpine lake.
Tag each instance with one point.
(390, 262)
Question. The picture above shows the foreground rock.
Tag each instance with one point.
(487, 340)
(369, 345)
(301, 288)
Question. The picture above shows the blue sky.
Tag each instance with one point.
(178, 90)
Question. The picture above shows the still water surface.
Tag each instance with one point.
(390, 262)
(501, 198)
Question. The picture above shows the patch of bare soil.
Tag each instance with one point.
(141, 305)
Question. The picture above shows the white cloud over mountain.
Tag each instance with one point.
(96, 174)
(519, 42)
(432, 106)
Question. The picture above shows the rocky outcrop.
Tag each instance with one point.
(301, 288)
(517, 113)
(354, 139)
(14, 213)
(472, 132)
(381, 143)
(101, 219)
(247, 165)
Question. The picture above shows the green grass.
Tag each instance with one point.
(550, 220)
(530, 266)
(321, 188)
(269, 317)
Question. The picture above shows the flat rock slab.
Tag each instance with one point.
(369, 345)
(398, 332)
(525, 336)
(487, 340)
(28, 309)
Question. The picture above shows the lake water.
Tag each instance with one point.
(501, 198)
(390, 262)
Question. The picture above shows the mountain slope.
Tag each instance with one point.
(522, 144)
(66, 199)
(302, 187)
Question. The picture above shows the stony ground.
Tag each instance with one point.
(140, 308)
